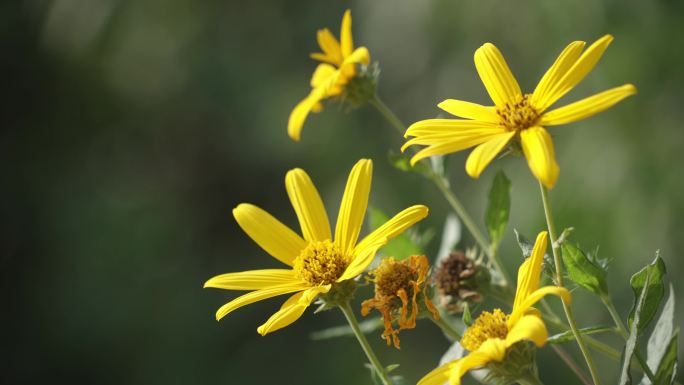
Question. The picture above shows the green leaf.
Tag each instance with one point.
(367, 326)
(401, 246)
(630, 345)
(655, 290)
(584, 271)
(498, 208)
(567, 335)
(667, 373)
(403, 162)
(661, 337)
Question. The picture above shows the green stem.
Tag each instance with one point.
(559, 282)
(379, 369)
(447, 329)
(450, 197)
(571, 364)
(610, 306)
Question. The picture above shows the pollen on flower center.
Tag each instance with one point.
(391, 276)
(487, 326)
(518, 115)
(320, 263)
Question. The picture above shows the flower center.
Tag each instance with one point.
(320, 263)
(518, 115)
(391, 276)
(487, 326)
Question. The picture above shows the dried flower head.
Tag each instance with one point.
(395, 283)
(456, 279)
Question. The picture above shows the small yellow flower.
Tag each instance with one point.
(339, 60)
(514, 114)
(396, 281)
(492, 334)
(316, 262)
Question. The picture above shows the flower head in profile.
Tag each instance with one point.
(316, 261)
(496, 336)
(516, 116)
(398, 288)
(339, 60)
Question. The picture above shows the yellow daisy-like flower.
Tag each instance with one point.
(316, 261)
(514, 114)
(339, 60)
(492, 334)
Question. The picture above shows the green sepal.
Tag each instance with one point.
(583, 271)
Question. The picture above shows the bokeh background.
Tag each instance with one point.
(131, 128)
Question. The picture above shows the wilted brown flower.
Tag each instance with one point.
(456, 281)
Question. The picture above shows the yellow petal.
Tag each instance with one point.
(540, 97)
(528, 328)
(362, 259)
(495, 74)
(393, 227)
(291, 310)
(308, 205)
(347, 43)
(348, 66)
(258, 295)
(483, 154)
(579, 70)
(330, 47)
(450, 126)
(587, 107)
(322, 75)
(271, 235)
(353, 206)
(467, 136)
(534, 297)
(252, 279)
(470, 110)
(437, 376)
(538, 148)
(300, 113)
(491, 350)
(529, 272)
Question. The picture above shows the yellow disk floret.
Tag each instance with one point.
(320, 263)
(487, 326)
(518, 114)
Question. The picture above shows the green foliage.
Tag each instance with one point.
(630, 345)
(498, 208)
(467, 317)
(401, 247)
(649, 278)
(567, 335)
(666, 373)
(662, 345)
(583, 271)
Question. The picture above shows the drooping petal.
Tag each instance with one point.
(495, 74)
(541, 158)
(470, 110)
(529, 272)
(437, 376)
(493, 349)
(540, 97)
(332, 52)
(258, 295)
(348, 66)
(322, 75)
(393, 227)
(534, 297)
(353, 206)
(528, 328)
(450, 126)
(587, 107)
(483, 154)
(252, 279)
(301, 111)
(269, 233)
(346, 41)
(361, 260)
(291, 310)
(579, 70)
(308, 205)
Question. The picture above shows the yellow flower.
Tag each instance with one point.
(338, 67)
(316, 262)
(514, 114)
(396, 281)
(492, 334)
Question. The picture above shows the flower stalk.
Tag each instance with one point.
(559, 282)
(354, 324)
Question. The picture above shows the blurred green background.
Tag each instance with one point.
(130, 129)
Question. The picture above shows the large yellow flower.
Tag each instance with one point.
(494, 333)
(514, 114)
(339, 60)
(316, 261)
